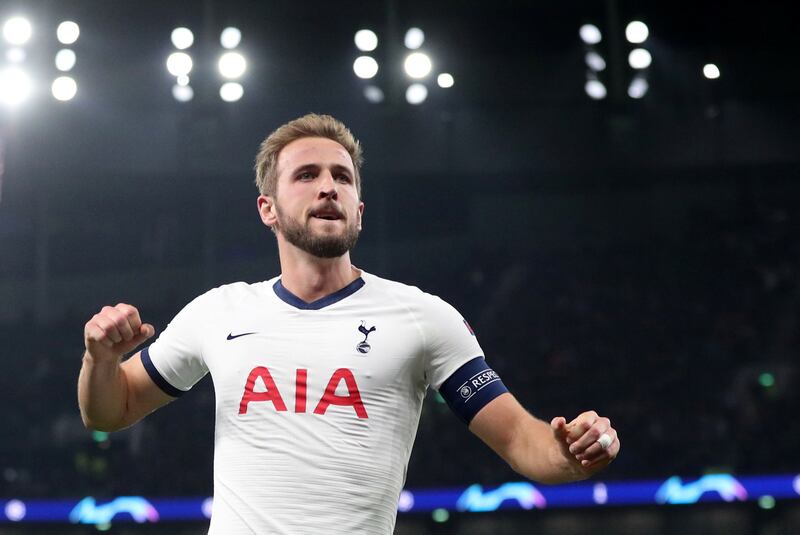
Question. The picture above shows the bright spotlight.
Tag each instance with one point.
(232, 65)
(636, 32)
(373, 94)
(590, 34)
(365, 67)
(595, 61)
(639, 58)
(65, 59)
(231, 91)
(17, 30)
(414, 38)
(711, 71)
(183, 80)
(595, 89)
(182, 93)
(638, 87)
(182, 38)
(64, 88)
(179, 63)
(445, 80)
(416, 94)
(15, 86)
(230, 37)
(417, 65)
(68, 32)
(366, 40)
(15, 55)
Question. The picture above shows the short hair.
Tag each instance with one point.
(310, 125)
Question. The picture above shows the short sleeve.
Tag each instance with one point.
(449, 341)
(175, 360)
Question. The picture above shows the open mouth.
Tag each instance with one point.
(327, 213)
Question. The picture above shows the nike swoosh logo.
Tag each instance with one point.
(231, 336)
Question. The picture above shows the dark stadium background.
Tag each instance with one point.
(637, 257)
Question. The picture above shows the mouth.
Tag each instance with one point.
(327, 214)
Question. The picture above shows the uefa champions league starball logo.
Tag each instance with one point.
(363, 346)
(465, 391)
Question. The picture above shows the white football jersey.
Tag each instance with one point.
(317, 404)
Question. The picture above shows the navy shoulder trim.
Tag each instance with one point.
(162, 383)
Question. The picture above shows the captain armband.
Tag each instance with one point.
(470, 388)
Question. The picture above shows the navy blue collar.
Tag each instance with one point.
(291, 299)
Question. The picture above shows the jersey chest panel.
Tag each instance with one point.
(375, 353)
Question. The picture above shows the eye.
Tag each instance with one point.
(306, 175)
(343, 178)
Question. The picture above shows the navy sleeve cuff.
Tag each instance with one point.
(162, 383)
(470, 388)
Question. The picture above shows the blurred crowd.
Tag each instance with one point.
(688, 343)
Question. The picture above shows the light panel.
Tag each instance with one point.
(68, 32)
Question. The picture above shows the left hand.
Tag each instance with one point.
(579, 441)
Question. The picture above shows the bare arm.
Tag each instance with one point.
(114, 395)
(542, 452)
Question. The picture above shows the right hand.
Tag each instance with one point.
(115, 331)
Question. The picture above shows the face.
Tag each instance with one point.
(316, 206)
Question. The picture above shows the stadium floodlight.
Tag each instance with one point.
(230, 38)
(636, 32)
(182, 93)
(445, 80)
(17, 30)
(183, 79)
(65, 60)
(417, 65)
(232, 65)
(15, 55)
(638, 87)
(68, 32)
(231, 91)
(373, 94)
(179, 63)
(414, 38)
(595, 89)
(590, 34)
(15, 86)
(711, 71)
(639, 58)
(64, 88)
(182, 38)
(365, 67)
(595, 61)
(366, 40)
(416, 94)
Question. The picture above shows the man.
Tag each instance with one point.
(320, 373)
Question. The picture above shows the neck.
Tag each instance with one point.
(310, 277)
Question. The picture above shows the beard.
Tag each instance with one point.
(322, 246)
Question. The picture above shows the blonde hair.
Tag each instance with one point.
(310, 125)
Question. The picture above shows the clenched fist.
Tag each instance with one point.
(588, 441)
(115, 331)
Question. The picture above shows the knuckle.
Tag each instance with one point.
(126, 309)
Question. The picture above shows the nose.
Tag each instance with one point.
(327, 186)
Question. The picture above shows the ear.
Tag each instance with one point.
(266, 209)
(359, 214)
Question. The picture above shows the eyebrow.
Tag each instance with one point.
(315, 167)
